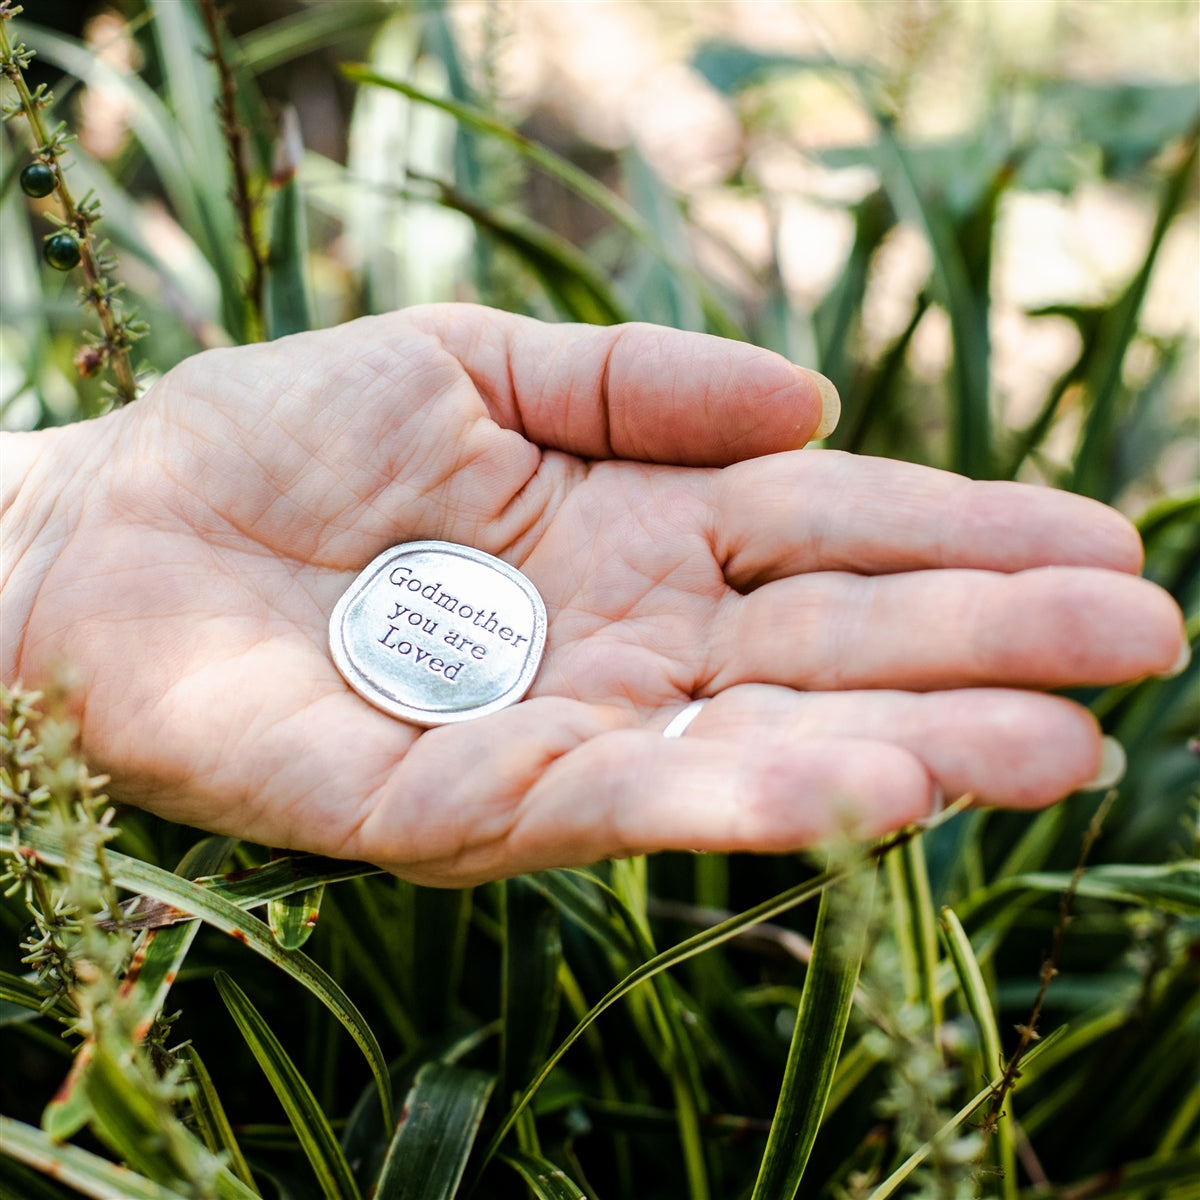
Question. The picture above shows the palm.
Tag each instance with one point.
(251, 488)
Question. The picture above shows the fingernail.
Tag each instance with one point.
(831, 406)
(1181, 663)
(1112, 766)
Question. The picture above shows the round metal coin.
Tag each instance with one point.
(433, 633)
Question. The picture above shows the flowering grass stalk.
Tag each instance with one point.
(120, 328)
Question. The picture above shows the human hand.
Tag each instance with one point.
(873, 633)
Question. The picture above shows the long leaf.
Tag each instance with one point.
(134, 1128)
(567, 173)
(1172, 887)
(531, 950)
(18, 1182)
(576, 895)
(211, 1119)
(825, 1004)
(979, 1004)
(698, 944)
(544, 1179)
(310, 29)
(438, 1125)
(571, 279)
(974, 990)
(965, 305)
(191, 84)
(284, 877)
(148, 978)
(293, 918)
(88, 1173)
(688, 948)
(215, 910)
(1093, 459)
(26, 994)
(310, 1123)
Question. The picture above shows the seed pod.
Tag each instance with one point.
(61, 251)
(38, 179)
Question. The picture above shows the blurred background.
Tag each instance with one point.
(979, 219)
(879, 189)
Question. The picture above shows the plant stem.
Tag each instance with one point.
(235, 139)
(1028, 1031)
(98, 292)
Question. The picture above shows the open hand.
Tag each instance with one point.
(873, 633)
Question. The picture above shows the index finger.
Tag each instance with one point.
(634, 391)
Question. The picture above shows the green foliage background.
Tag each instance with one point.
(408, 1046)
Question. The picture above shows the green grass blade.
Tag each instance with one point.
(659, 1015)
(915, 926)
(192, 91)
(1036, 844)
(1165, 513)
(966, 305)
(438, 1126)
(979, 1005)
(192, 88)
(576, 895)
(1171, 887)
(88, 1173)
(288, 306)
(571, 176)
(293, 918)
(1186, 1117)
(435, 924)
(577, 288)
(18, 1182)
(681, 952)
(211, 1119)
(531, 954)
(689, 948)
(835, 316)
(661, 295)
(924, 919)
(974, 990)
(369, 960)
(132, 1125)
(215, 910)
(544, 1180)
(310, 1123)
(149, 976)
(1093, 459)
(22, 992)
(309, 29)
(825, 1004)
(284, 877)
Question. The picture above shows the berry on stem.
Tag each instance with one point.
(61, 251)
(38, 179)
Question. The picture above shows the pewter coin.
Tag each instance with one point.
(433, 633)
